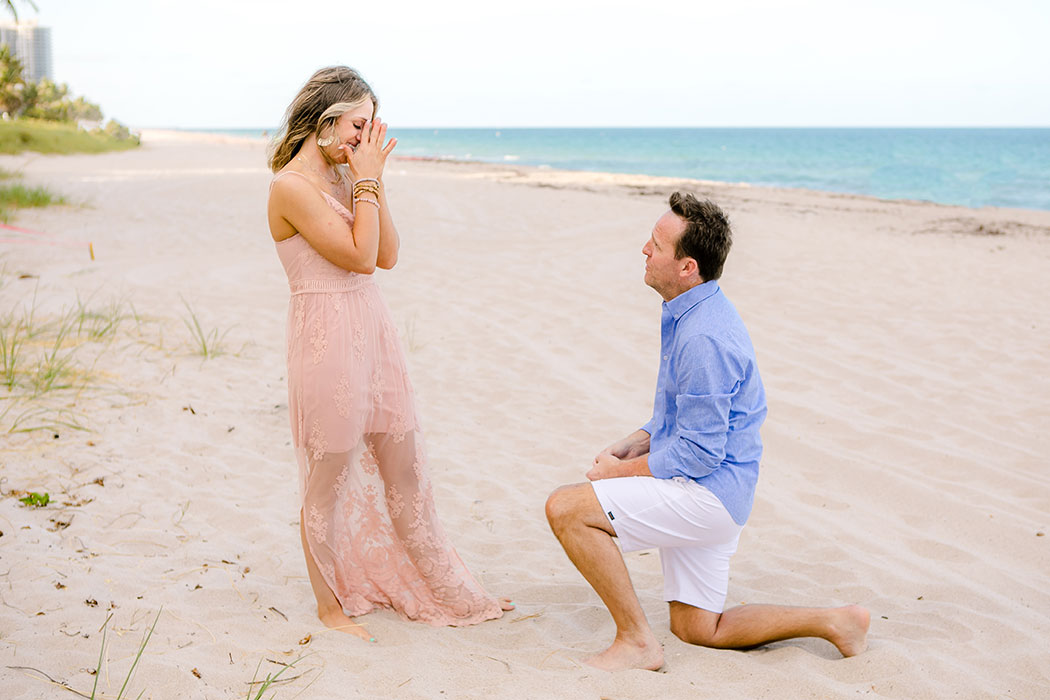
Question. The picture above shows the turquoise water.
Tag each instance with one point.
(972, 167)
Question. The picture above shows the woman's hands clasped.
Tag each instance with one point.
(369, 157)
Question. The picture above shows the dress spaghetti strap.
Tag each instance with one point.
(279, 175)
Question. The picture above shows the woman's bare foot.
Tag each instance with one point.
(850, 629)
(623, 654)
(506, 605)
(337, 620)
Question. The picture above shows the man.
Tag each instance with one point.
(685, 482)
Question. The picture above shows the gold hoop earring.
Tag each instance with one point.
(326, 141)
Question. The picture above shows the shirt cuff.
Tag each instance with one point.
(659, 464)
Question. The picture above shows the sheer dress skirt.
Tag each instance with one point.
(367, 503)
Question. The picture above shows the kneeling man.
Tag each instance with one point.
(685, 482)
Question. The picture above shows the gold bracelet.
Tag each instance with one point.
(366, 199)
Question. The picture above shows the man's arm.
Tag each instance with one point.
(634, 445)
(707, 380)
(608, 467)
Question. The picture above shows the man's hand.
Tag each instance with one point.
(606, 466)
(634, 445)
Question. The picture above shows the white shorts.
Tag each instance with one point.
(694, 532)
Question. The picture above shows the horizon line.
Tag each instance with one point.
(748, 126)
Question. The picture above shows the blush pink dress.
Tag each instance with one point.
(367, 503)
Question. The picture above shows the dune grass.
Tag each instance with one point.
(41, 363)
(20, 135)
(207, 343)
(15, 195)
(48, 358)
(271, 679)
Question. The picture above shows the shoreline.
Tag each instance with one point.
(638, 178)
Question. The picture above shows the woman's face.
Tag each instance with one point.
(348, 130)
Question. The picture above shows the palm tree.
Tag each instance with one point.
(12, 84)
(9, 5)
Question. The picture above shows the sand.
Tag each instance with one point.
(905, 348)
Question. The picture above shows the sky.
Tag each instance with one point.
(238, 63)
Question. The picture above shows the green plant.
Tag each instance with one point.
(20, 196)
(37, 500)
(56, 365)
(102, 651)
(50, 420)
(42, 361)
(206, 343)
(265, 683)
(20, 135)
(98, 324)
(11, 339)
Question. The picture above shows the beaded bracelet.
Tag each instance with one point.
(367, 183)
(366, 199)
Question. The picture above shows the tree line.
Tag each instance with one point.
(44, 99)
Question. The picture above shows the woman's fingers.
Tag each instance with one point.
(369, 131)
(389, 147)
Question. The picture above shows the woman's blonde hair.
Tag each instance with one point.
(327, 95)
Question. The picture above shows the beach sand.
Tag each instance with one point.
(905, 349)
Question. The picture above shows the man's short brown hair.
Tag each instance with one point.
(707, 236)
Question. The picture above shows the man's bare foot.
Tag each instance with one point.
(622, 655)
(337, 620)
(849, 631)
(506, 605)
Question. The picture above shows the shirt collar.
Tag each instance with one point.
(688, 299)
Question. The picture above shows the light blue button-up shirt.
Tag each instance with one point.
(709, 402)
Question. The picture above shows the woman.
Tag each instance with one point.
(369, 529)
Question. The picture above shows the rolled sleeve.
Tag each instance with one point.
(707, 378)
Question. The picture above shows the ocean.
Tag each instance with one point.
(974, 167)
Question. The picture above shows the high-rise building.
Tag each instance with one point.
(30, 44)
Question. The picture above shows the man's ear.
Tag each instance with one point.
(689, 268)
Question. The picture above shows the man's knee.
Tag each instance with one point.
(693, 625)
(687, 634)
(559, 507)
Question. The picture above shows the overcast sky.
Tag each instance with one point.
(237, 63)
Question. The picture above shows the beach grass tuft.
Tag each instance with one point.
(50, 361)
(18, 195)
(15, 195)
(271, 679)
(207, 343)
(11, 339)
(131, 671)
(42, 371)
(97, 671)
(54, 369)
